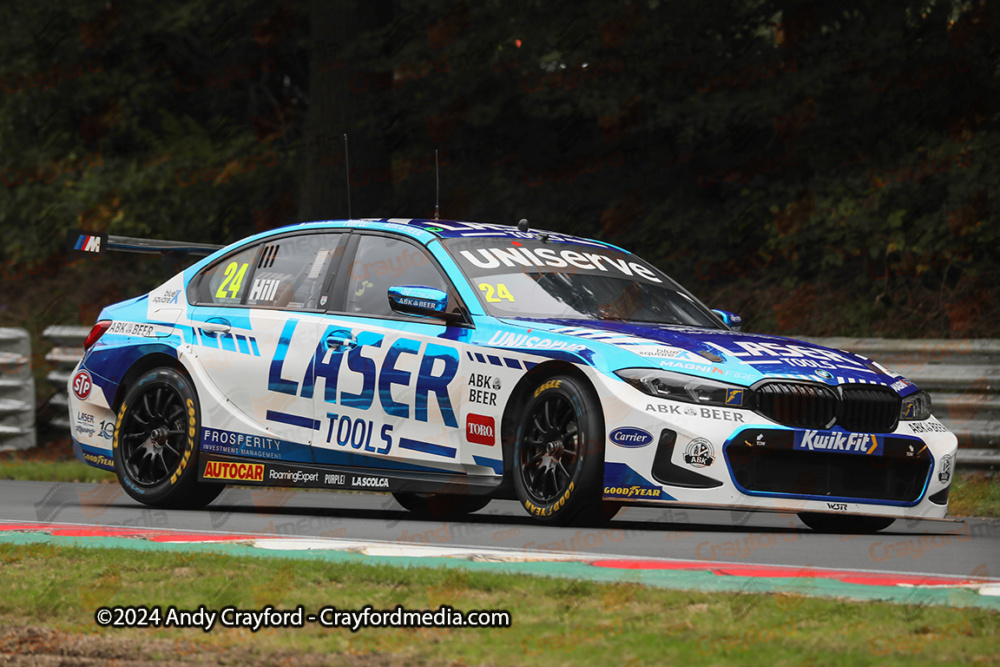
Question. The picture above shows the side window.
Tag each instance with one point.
(225, 283)
(290, 271)
(380, 263)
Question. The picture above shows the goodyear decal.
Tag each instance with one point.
(623, 483)
(118, 425)
(549, 510)
(192, 419)
(97, 458)
(634, 491)
(235, 472)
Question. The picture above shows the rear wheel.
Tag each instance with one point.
(845, 524)
(441, 505)
(558, 461)
(155, 443)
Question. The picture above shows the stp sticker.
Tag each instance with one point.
(480, 429)
(82, 385)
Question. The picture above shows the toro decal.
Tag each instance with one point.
(480, 429)
(628, 436)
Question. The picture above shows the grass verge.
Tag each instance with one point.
(975, 494)
(53, 463)
(48, 596)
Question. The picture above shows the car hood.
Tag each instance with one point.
(729, 356)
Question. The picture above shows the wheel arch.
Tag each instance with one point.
(140, 367)
(515, 406)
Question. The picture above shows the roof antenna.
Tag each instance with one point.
(347, 172)
(437, 186)
(522, 226)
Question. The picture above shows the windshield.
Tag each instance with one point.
(533, 279)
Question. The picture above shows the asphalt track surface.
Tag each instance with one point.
(963, 548)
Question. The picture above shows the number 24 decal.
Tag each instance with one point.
(500, 292)
(234, 278)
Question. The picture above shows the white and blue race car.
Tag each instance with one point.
(450, 363)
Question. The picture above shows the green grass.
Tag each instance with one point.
(54, 471)
(975, 494)
(556, 622)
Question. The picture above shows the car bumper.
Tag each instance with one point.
(733, 457)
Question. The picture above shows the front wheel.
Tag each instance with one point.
(845, 524)
(155, 443)
(558, 461)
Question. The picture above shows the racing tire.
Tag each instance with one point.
(845, 524)
(441, 505)
(155, 443)
(558, 458)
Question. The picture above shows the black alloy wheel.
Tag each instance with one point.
(558, 460)
(155, 432)
(156, 442)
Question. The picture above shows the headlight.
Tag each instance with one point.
(679, 387)
(916, 407)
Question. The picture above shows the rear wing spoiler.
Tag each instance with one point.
(93, 244)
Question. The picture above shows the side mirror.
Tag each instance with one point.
(419, 300)
(731, 320)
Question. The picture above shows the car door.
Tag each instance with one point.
(391, 395)
(255, 328)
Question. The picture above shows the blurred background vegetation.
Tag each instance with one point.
(821, 168)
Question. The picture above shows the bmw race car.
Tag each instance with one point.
(450, 363)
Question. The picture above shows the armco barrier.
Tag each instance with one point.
(17, 391)
(962, 376)
(63, 356)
